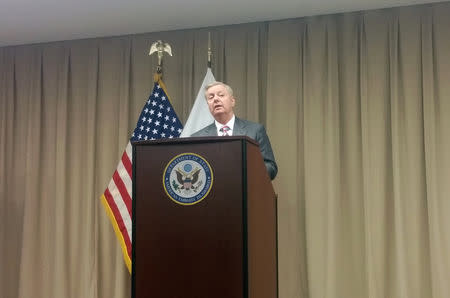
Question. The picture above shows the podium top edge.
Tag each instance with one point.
(209, 139)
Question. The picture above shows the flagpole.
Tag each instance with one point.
(209, 50)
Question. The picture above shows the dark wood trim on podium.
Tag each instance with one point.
(223, 246)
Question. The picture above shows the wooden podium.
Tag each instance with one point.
(224, 244)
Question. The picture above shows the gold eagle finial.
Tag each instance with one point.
(160, 47)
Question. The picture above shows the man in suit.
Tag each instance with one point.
(221, 102)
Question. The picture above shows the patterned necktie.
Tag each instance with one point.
(224, 130)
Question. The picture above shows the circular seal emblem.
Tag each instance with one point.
(187, 178)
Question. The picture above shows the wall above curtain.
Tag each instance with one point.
(28, 21)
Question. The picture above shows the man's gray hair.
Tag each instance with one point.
(228, 88)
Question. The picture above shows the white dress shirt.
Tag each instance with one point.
(230, 124)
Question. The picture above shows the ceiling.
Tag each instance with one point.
(35, 21)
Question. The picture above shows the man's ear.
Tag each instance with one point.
(233, 101)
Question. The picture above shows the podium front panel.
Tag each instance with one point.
(189, 250)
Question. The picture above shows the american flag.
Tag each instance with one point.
(157, 120)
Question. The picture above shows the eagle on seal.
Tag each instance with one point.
(187, 180)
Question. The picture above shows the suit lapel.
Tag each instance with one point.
(212, 130)
(239, 127)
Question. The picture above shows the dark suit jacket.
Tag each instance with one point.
(253, 130)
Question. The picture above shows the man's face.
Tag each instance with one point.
(220, 102)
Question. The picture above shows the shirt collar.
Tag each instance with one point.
(230, 124)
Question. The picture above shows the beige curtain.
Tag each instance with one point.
(356, 108)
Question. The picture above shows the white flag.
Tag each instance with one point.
(200, 115)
